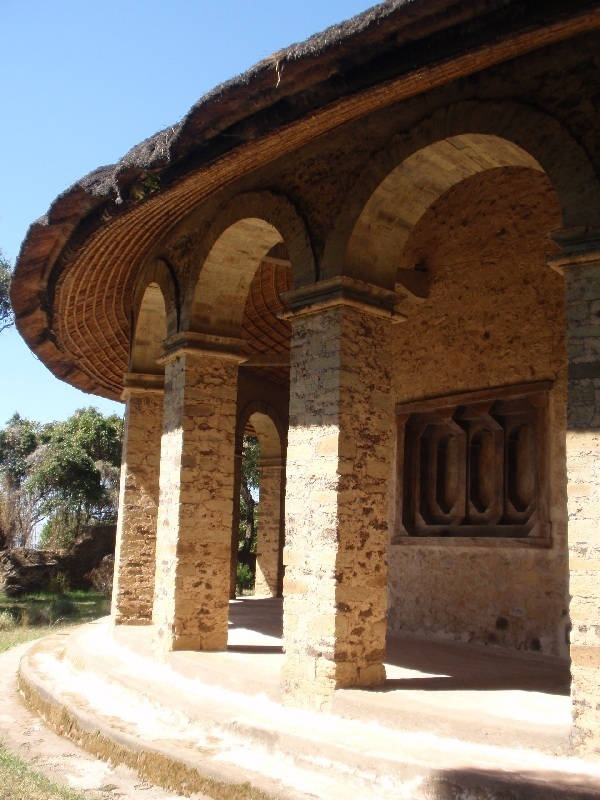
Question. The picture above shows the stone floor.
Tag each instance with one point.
(452, 721)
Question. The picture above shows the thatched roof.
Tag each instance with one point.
(92, 232)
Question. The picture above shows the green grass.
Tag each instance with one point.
(18, 781)
(26, 618)
(32, 616)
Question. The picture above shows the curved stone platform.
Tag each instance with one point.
(450, 722)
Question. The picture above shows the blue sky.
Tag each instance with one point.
(81, 83)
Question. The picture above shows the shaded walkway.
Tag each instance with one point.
(415, 663)
(471, 692)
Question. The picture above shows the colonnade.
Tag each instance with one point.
(174, 551)
(173, 566)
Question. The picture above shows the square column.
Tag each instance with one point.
(580, 265)
(339, 465)
(270, 528)
(193, 550)
(135, 551)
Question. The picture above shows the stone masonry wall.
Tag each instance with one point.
(196, 499)
(583, 465)
(339, 454)
(495, 316)
(268, 545)
(138, 509)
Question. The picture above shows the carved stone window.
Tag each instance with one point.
(475, 464)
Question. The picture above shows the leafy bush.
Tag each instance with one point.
(63, 474)
(245, 579)
(59, 531)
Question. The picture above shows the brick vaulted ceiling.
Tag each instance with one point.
(74, 281)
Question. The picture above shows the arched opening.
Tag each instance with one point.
(258, 533)
(243, 266)
(376, 244)
(238, 298)
(150, 332)
(135, 555)
(472, 214)
(263, 403)
(221, 292)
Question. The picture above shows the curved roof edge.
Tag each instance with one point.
(370, 48)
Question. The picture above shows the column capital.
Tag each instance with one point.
(142, 383)
(343, 291)
(580, 248)
(203, 345)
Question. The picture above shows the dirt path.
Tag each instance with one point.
(57, 758)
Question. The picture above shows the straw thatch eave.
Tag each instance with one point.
(336, 67)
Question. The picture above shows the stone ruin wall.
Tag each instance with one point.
(495, 316)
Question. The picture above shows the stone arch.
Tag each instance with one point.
(155, 317)
(241, 235)
(443, 149)
(270, 428)
(272, 442)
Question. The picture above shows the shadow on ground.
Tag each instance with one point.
(445, 666)
(461, 784)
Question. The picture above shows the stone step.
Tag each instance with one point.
(169, 721)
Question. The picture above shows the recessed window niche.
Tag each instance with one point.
(474, 465)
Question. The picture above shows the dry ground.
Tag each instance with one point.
(35, 763)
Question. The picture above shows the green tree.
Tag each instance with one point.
(18, 440)
(75, 476)
(18, 518)
(6, 315)
(65, 473)
(249, 498)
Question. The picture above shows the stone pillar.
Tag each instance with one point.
(135, 551)
(270, 528)
(235, 523)
(580, 264)
(193, 548)
(339, 464)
